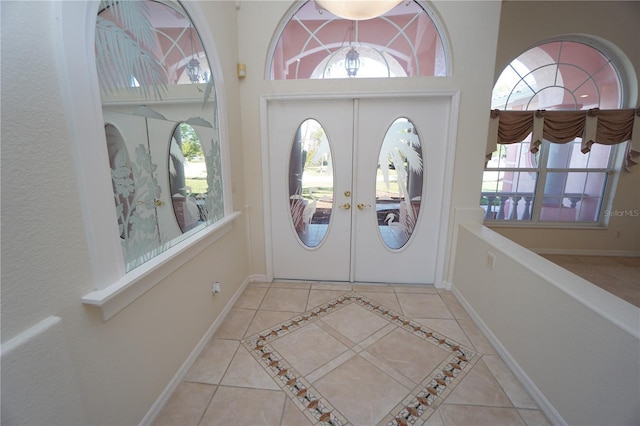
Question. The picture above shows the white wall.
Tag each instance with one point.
(524, 23)
(116, 368)
(568, 339)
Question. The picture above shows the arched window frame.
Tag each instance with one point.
(293, 9)
(114, 288)
(628, 92)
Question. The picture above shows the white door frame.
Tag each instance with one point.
(450, 145)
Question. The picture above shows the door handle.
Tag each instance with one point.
(362, 206)
(159, 203)
(345, 206)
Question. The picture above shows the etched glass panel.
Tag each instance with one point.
(145, 50)
(399, 183)
(310, 183)
(187, 177)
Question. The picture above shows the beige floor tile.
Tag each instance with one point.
(360, 391)
(446, 327)
(512, 387)
(388, 299)
(213, 361)
(408, 354)
(187, 405)
(423, 305)
(251, 298)
(244, 407)
(245, 371)
(308, 348)
(480, 343)
(434, 420)
(292, 416)
(479, 387)
(318, 297)
(264, 320)
(360, 362)
(457, 415)
(259, 284)
(235, 324)
(355, 322)
(285, 299)
(454, 306)
(534, 418)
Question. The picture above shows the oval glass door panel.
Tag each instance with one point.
(187, 177)
(399, 182)
(310, 183)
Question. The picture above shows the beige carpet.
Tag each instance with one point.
(617, 275)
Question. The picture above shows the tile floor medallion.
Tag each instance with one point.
(357, 333)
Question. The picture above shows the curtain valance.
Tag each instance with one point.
(607, 127)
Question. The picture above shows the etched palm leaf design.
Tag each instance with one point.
(136, 215)
(124, 42)
(401, 149)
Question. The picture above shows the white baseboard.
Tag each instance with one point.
(549, 410)
(258, 278)
(155, 409)
(578, 252)
(443, 285)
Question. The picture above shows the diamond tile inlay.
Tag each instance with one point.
(453, 362)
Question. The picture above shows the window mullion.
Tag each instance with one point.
(540, 182)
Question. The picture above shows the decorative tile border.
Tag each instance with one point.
(414, 409)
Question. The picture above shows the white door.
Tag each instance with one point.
(367, 205)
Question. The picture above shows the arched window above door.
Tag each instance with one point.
(314, 43)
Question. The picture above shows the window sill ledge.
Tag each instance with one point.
(117, 296)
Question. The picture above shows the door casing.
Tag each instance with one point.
(449, 151)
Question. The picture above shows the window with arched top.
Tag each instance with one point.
(314, 43)
(554, 179)
(151, 162)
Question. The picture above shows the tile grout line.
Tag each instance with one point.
(422, 398)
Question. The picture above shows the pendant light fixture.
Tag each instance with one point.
(352, 58)
(358, 10)
(193, 66)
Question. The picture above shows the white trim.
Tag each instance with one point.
(537, 395)
(266, 184)
(77, 68)
(173, 384)
(28, 335)
(586, 252)
(450, 152)
(117, 296)
(259, 278)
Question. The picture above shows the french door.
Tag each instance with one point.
(355, 187)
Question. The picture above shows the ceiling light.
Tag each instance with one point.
(357, 10)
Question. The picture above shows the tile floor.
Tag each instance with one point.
(336, 354)
(618, 275)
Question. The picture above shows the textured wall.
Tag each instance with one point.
(121, 366)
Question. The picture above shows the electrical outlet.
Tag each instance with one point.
(491, 260)
(215, 287)
(618, 234)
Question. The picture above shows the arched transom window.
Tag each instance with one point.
(314, 43)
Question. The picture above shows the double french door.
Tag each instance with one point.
(356, 187)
